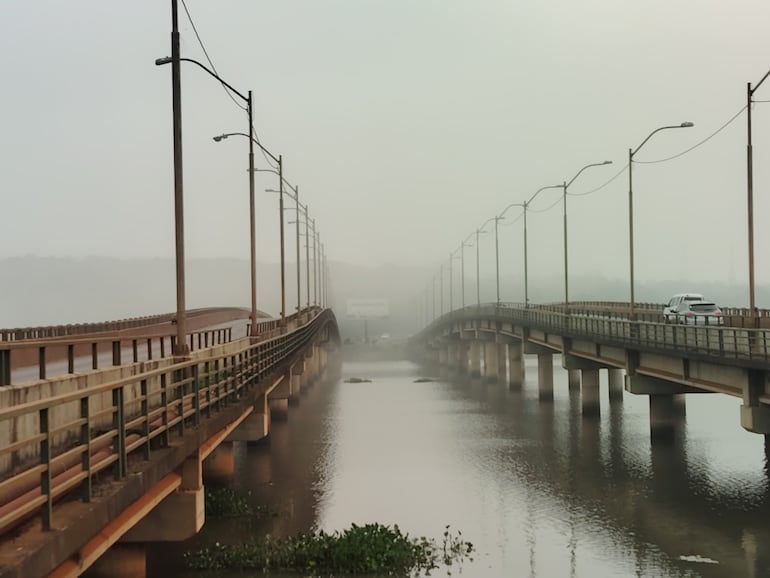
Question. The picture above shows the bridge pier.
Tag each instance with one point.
(755, 417)
(461, 358)
(490, 361)
(515, 365)
(475, 351)
(666, 415)
(256, 426)
(502, 363)
(180, 515)
(573, 380)
(545, 376)
(590, 397)
(615, 383)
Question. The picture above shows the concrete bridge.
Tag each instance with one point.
(644, 356)
(96, 461)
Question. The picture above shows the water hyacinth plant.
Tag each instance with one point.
(369, 549)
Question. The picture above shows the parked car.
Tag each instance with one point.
(699, 313)
(669, 311)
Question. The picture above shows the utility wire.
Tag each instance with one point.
(205, 52)
(708, 138)
(600, 187)
(227, 90)
(548, 208)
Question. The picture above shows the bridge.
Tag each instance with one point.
(107, 435)
(108, 445)
(641, 353)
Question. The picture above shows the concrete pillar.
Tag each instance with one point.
(120, 561)
(590, 391)
(295, 388)
(573, 379)
(545, 375)
(755, 416)
(220, 464)
(181, 514)
(475, 351)
(515, 365)
(490, 361)
(502, 363)
(256, 426)
(461, 361)
(443, 356)
(666, 415)
(615, 381)
(279, 409)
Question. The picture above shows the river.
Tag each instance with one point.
(538, 489)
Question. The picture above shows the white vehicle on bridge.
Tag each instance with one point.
(669, 311)
(693, 309)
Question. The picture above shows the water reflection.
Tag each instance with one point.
(540, 489)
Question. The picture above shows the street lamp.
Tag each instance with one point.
(566, 185)
(750, 186)
(631, 153)
(525, 205)
(252, 170)
(462, 265)
(176, 88)
(479, 231)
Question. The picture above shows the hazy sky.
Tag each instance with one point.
(406, 123)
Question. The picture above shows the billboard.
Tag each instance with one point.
(372, 308)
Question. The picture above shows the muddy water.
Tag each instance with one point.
(539, 490)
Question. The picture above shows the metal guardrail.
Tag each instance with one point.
(142, 349)
(54, 331)
(73, 438)
(736, 344)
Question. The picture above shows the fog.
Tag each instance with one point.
(407, 124)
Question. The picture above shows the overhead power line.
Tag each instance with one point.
(695, 146)
(224, 87)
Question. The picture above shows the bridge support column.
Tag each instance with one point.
(666, 416)
(476, 359)
(256, 426)
(443, 360)
(120, 561)
(502, 363)
(490, 361)
(295, 388)
(590, 391)
(180, 515)
(279, 409)
(615, 383)
(545, 375)
(461, 359)
(515, 365)
(573, 379)
(755, 416)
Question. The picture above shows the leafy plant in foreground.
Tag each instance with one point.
(369, 549)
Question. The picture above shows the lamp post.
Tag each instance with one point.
(631, 153)
(499, 218)
(564, 194)
(478, 283)
(252, 217)
(526, 204)
(296, 213)
(750, 190)
(175, 61)
(462, 266)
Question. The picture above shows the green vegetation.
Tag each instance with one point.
(369, 549)
(227, 503)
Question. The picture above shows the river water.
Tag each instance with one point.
(538, 489)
